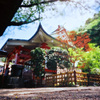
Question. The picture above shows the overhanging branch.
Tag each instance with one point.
(43, 2)
(13, 23)
(50, 1)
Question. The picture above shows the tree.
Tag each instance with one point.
(80, 40)
(76, 56)
(95, 33)
(76, 43)
(88, 61)
(58, 57)
(30, 10)
(92, 60)
(92, 27)
(72, 38)
(37, 62)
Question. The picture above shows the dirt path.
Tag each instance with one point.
(60, 93)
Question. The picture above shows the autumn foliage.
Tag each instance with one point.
(73, 39)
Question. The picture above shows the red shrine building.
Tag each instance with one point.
(19, 50)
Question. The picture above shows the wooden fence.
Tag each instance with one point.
(71, 78)
(93, 79)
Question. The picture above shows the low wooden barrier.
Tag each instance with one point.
(71, 78)
(81, 78)
(93, 79)
(59, 79)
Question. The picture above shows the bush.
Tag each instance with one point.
(95, 71)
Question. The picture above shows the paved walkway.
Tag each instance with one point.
(53, 93)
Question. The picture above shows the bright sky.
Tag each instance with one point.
(65, 15)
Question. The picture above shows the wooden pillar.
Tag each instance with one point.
(75, 77)
(16, 58)
(88, 76)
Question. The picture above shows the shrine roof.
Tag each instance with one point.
(40, 26)
(3, 53)
(40, 36)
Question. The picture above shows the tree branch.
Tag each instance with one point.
(50, 1)
(43, 2)
(21, 22)
(79, 3)
(97, 2)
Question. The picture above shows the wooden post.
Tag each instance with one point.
(16, 58)
(88, 76)
(53, 80)
(75, 77)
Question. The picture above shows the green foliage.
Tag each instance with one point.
(75, 51)
(37, 55)
(76, 55)
(51, 64)
(57, 56)
(92, 59)
(28, 14)
(94, 20)
(37, 61)
(95, 71)
(67, 64)
(71, 84)
(95, 33)
(3, 59)
(92, 27)
(89, 60)
(88, 21)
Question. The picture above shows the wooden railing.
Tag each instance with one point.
(81, 78)
(93, 79)
(59, 79)
(71, 78)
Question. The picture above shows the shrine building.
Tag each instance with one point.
(19, 50)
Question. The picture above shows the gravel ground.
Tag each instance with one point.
(91, 93)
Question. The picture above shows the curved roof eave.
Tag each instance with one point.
(3, 53)
(10, 39)
(28, 40)
(40, 27)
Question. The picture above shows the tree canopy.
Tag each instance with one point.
(87, 61)
(30, 10)
(37, 61)
(92, 60)
(92, 27)
(85, 54)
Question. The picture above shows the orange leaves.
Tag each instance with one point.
(82, 40)
(81, 66)
(58, 37)
(79, 37)
(62, 34)
(79, 40)
(72, 32)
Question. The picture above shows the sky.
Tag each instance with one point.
(66, 15)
